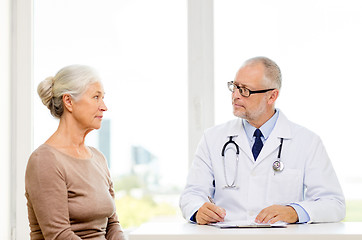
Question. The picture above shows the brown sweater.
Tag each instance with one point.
(70, 198)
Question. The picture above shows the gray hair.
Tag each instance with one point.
(272, 71)
(72, 80)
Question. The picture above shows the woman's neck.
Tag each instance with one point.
(69, 138)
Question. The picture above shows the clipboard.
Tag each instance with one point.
(246, 224)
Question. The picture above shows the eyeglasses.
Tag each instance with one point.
(245, 92)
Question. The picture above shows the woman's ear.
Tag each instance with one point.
(68, 103)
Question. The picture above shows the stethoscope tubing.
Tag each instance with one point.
(278, 165)
(231, 141)
(280, 147)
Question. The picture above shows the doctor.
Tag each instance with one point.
(261, 167)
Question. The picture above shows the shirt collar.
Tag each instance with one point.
(266, 128)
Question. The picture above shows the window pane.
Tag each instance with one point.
(139, 48)
(317, 46)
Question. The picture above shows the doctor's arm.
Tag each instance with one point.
(291, 213)
(210, 213)
(193, 200)
(324, 199)
(275, 213)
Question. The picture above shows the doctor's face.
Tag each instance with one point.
(255, 107)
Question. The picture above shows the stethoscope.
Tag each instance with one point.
(231, 141)
(278, 165)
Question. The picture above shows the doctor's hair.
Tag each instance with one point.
(73, 80)
(272, 71)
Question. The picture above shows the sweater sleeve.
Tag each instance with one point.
(113, 231)
(47, 195)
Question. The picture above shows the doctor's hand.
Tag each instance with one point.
(275, 213)
(210, 213)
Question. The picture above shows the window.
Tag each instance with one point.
(140, 50)
(312, 41)
(317, 47)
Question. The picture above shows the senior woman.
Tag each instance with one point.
(68, 186)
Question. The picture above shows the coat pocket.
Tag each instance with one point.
(285, 187)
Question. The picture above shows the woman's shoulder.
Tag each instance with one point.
(44, 164)
(99, 158)
(44, 157)
(98, 155)
(43, 150)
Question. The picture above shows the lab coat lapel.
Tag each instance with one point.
(269, 147)
(281, 130)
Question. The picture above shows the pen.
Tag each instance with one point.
(210, 199)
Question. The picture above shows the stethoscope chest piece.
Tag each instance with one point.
(278, 166)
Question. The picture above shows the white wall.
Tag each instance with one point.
(21, 111)
(5, 119)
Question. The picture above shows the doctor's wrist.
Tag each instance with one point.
(303, 216)
(193, 217)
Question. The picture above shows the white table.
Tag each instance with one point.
(189, 231)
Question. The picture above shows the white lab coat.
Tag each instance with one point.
(308, 178)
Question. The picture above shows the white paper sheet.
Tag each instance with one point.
(246, 224)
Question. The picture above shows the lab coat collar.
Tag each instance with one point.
(281, 130)
(266, 128)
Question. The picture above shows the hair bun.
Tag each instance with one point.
(72, 80)
(45, 91)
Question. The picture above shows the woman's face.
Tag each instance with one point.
(88, 110)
